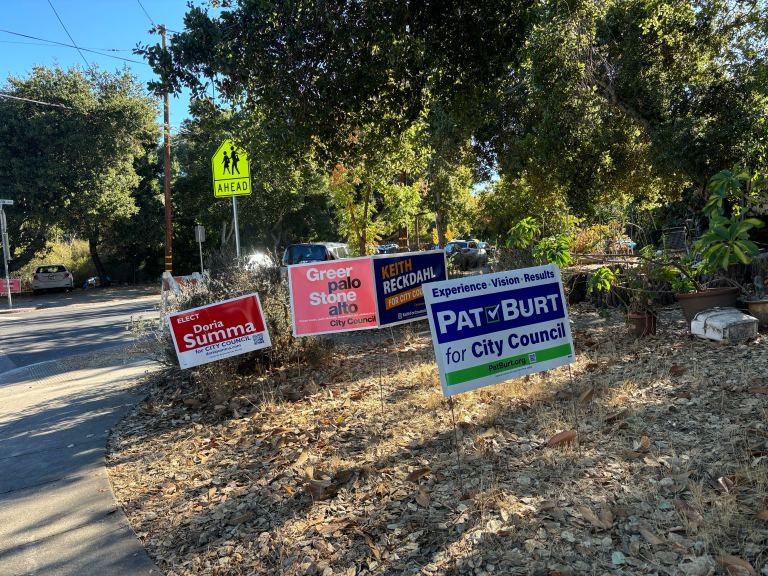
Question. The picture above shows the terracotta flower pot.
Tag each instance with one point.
(694, 302)
(641, 323)
(759, 309)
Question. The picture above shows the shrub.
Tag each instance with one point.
(222, 379)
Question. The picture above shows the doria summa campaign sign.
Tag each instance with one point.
(333, 296)
(399, 279)
(491, 328)
(219, 331)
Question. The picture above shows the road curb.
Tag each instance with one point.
(51, 368)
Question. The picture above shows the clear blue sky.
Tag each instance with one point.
(100, 25)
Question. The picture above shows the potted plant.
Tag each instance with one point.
(635, 287)
(724, 244)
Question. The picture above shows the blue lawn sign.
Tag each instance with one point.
(398, 279)
(492, 328)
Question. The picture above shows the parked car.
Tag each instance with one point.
(315, 252)
(97, 282)
(387, 248)
(490, 250)
(467, 254)
(50, 277)
(455, 247)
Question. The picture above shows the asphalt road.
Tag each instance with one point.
(60, 325)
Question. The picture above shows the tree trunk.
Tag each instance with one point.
(93, 242)
(439, 217)
(364, 235)
(226, 232)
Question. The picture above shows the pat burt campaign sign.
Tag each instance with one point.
(491, 328)
(399, 279)
(219, 331)
(333, 296)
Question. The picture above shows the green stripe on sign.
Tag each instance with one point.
(506, 364)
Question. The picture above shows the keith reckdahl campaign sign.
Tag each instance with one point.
(399, 278)
(491, 328)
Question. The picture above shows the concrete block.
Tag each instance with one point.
(726, 324)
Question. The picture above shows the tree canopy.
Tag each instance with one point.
(626, 100)
(72, 164)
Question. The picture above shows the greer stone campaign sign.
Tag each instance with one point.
(334, 296)
(491, 328)
(399, 279)
(219, 331)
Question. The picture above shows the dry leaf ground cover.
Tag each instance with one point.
(653, 460)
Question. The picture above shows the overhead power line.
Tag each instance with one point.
(47, 43)
(73, 46)
(68, 34)
(34, 101)
(146, 13)
(152, 21)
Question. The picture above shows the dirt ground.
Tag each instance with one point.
(651, 459)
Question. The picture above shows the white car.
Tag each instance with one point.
(52, 276)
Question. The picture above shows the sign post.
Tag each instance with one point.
(237, 227)
(6, 249)
(495, 327)
(231, 178)
(200, 238)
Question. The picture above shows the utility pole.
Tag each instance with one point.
(6, 250)
(167, 162)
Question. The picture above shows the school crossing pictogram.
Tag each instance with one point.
(231, 172)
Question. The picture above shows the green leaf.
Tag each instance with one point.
(743, 258)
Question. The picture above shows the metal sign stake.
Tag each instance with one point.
(237, 230)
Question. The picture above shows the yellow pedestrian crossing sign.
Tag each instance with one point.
(231, 173)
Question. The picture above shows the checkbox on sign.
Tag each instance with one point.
(492, 314)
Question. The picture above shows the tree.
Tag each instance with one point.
(321, 70)
(377, 187)
(72, 163)
(319, 74)
(629, 102)
(289, 200)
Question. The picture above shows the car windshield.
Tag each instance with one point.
(50, 269)
(298, 253)
(340, 252)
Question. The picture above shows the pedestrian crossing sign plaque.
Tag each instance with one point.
(231, 173)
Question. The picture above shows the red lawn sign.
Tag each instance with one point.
(219, 331)
(15, 286)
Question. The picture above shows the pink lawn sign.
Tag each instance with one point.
(334, 296)
(15, 286)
